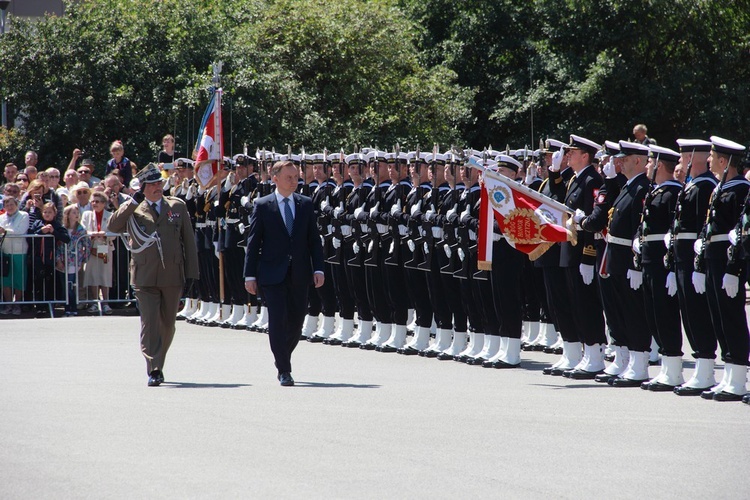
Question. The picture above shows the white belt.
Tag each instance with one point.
(437, 233)
(654, 237)
(472, 235)
(719, 237)
(231, 221)
(619, 241)
(200, 225)
(382, 228)
(598, 236)
(686, 236)
(211, 224)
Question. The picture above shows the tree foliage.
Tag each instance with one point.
(375, 72)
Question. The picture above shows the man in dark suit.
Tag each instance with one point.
(283, 253)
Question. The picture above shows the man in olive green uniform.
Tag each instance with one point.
(163, 257)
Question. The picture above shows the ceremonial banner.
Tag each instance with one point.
(209, 148)
(528, 220)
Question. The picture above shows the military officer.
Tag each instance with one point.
(163, 256)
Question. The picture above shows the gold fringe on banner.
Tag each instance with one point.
(484, 265)
(539, 250)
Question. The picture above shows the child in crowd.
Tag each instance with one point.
(43, 258)
(79, 250)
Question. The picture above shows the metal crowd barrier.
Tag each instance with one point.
(42, 286)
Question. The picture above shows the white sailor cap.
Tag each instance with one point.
(725, 146)
(578, 142)
(508, 162)
(664, 154)
(552, 145)
(611, 148)
(631, 148)
(183, 163)
(353, 158)
(690, 145)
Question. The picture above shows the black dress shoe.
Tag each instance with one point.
(604, 378)
(408, 351)
(707, 394)
(445, 357)
(538, 348)
(609, 357)
(316, 339)
(500, 364)
(155, 378)
(746, 399)
(368, 347)
(727, 396)
(547, 371)
(461, 359)
(334, 342)
(658, 387)
(627, 382)
(285, 379)
(430, 354)
(583, 374)
(681, 390)
(351, 343)
(225, 325)
(653, 363)
(387, 348)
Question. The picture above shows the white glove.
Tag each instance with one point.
(428, 215)
(227, 184)
(216, 249)
(402, 230)
(410, 244)
(370, 246)
(587, 273)
(374, 210)
(346, 230)
(671, 285)
(465, 214)
(396, 207)
(416, 207)
(636, 279)
(324, 204)
(461, 254)
(731, 284)
(338, 210)
(557, 157)
(636, 245)
(698, 246)
(733, 237)
(609, 170)
(358, 211)
(425, 248)
(392, 247)
(451, 212)
(530, 174)
(191, 192)
(336, 243)
(355, 247)
(329, 228)
(322, 240)
(447, 250)
(699, 282)
(579, 216)
(244, 200)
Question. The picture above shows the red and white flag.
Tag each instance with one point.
(528, 220)
(209, 148)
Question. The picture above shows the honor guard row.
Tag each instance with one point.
(660, 246)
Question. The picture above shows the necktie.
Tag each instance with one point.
(288, 217)
(156, 208)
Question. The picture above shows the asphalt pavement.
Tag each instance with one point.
(78, 421)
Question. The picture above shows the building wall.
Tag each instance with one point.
(35, 8)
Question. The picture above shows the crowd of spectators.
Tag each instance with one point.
(71, 209)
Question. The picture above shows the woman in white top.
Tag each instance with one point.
(97, 272)
(13, 222)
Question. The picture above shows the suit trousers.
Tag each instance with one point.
(637, 336)
(287, 306)
(694, 318)
(559, 302)
(587, 307)
(507, 269)
(158, 307)
(727, 314)
(662, 311)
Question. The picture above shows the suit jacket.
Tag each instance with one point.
(272, 252)
(583, 190)
(624, 223)
(177, 243)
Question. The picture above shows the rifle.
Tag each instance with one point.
(674, 228)
(449, 227)
(700, 259)
(359, 235)
(414, 233)
(643, 228)
(429, 238)
(372, 224)
(393, 233)
(336, 222)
